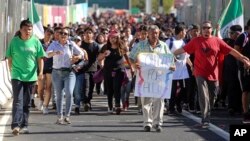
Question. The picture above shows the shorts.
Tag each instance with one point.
(47, 71)
(244, 78)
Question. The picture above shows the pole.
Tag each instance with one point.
(148, 6)
(160, 10)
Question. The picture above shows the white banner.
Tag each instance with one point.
(154, 79)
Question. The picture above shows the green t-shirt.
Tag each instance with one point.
(24, 55)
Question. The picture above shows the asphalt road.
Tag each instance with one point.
(98, 125)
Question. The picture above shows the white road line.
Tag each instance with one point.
(225, 135)
(4, 121)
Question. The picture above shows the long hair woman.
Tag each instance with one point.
(113, 55)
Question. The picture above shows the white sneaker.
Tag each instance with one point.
(24, 130)
(45, 110)
(110, 111)
(40, 106)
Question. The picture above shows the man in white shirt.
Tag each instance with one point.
(180, 75)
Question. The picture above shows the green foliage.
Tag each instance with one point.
(167, 4)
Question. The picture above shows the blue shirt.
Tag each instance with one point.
(63, 60)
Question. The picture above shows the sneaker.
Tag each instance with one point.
(147, 128)
(24, 130)
(77, 111)
(202, 125)
(191, 111)
(118, 110)
(33, 103)
(110, 111)
(139, 111)
(157, 128)
(59, 121)
(45, 110)
(205, 125)
(246, 118)
(179, 109)
(16, 131)
(67, 120)
(86, 107)
(125, 105)
(40, 106)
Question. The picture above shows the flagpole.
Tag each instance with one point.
(31, 10)
(224, 12)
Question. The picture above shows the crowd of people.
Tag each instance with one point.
(67, 60)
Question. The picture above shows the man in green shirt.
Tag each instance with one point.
(24, 56)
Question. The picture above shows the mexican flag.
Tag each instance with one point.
(232, 15)
(34, 18)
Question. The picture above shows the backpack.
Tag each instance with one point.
(246, 38)
(171, 42)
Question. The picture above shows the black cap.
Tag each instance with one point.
(236, 28)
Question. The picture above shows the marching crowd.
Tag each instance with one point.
(71, 61)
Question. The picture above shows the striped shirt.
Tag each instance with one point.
(145, 47)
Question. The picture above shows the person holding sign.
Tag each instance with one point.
(206, 49)
(153, 117)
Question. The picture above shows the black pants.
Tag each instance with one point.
(192, 93)
(21, 102)
(113, 84)
(89, 87)
(177, 98)
(231, 88)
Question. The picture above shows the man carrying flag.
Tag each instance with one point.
(38, 30)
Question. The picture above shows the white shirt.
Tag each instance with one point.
(181, 71)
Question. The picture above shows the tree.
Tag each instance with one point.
(167, 4)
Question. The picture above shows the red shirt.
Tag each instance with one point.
(206, 51)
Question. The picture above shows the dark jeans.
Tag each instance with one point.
(89, 87)
(177, 98)
(79, 89)
(114, 84)
(193, 94)
(21, 102)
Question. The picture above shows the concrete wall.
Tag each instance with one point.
(5, 83)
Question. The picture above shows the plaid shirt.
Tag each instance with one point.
(145, 47)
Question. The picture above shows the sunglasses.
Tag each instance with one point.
(206, 27)
(64, 33)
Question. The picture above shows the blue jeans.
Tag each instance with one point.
(79, 89)
(21, 102)
(125, 91)
(63, 80)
